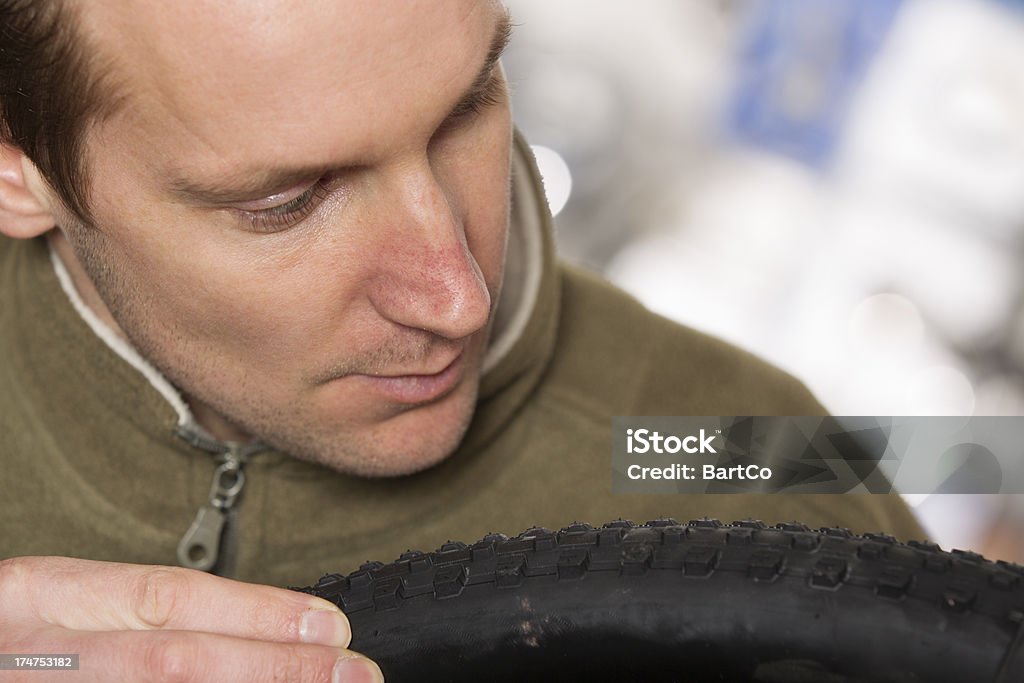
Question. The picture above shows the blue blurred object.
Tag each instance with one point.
(1015, 4)
(799, 64)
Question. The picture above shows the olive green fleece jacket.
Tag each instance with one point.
(93, 467)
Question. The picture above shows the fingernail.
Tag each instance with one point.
(324, 627)
(356, 670)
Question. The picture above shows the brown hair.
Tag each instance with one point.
(49, 94)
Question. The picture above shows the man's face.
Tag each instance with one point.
(301, 214)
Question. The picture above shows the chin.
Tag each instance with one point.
(410, 442)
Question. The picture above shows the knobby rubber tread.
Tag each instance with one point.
(701, 601)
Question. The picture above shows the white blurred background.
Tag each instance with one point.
(836, 185)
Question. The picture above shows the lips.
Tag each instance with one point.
(414, 389)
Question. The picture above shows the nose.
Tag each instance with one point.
(429, 279)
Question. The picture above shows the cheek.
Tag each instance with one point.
(483, 187)
(258, 308)
(188, 290)
(486, 237)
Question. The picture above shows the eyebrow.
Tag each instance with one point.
(484, 77)
(265, 182)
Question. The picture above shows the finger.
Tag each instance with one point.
(101, 596)
(189, 657)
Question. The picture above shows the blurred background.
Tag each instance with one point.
(835, 185)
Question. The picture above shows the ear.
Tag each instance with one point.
(24, 207)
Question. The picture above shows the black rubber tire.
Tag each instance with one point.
(702, 601)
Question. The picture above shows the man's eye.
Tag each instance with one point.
(288, 214)
(492, 93)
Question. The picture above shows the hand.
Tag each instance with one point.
(169, 625)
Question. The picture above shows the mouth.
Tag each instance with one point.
(412, 389)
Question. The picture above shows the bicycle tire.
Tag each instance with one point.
(695, 602)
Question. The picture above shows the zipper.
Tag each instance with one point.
(204, 544)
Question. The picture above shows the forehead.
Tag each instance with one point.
(284, 78)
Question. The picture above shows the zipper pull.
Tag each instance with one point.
(199, 548)
(200, 545)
